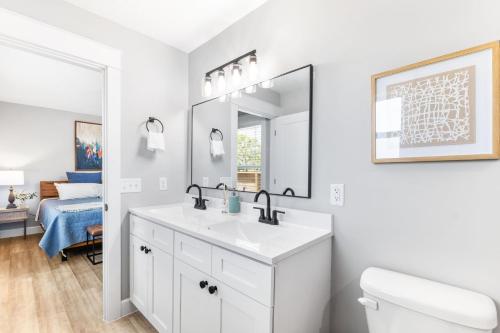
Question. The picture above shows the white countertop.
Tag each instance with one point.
(242, 233)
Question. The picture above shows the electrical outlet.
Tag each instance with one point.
(131, 185)
(337, 194)
(163, 184)
(205, 182)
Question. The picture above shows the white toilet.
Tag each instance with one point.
(399, 303)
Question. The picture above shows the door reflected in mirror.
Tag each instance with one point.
(264, 140)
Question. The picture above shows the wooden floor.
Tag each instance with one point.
(38, 294)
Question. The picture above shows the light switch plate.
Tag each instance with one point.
(337, 194)
(131, 185)
(163, 184)
(205, 182)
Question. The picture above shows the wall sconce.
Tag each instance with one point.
(236, 71)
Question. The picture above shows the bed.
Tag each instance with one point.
(64, 230)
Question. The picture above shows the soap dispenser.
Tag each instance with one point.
(234, 206)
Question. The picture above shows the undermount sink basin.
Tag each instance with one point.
(192, 216)
(247, 231)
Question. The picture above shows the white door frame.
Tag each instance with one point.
(28, 34)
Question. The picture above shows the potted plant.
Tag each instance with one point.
(25, 196)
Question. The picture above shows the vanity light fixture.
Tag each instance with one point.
(252, 67)
(221, 80)
(236, 74)
(207, 86)
(234, 70)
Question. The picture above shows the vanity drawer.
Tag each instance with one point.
(193, 252)
(163, 238)
(141, 228)
(157, 235)
(243, 274)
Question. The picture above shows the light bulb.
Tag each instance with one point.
(236, 94)
(267, 84)
(207, 86)
(252, 67)
(221, 80)
(251, 89)
(236, 74)
(222, 98)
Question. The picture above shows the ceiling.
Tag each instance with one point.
(184, 24)
(31, 79)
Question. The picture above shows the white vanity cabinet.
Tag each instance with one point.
(185, 284)
(151, 277)
(204, 304)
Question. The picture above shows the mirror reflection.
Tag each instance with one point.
(256, 138)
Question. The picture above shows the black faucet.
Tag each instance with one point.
(199, 202)
(289, 189)
(221, 185)
(267, 217)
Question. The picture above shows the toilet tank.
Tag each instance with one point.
(400, 303)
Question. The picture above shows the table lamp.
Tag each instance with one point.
(11, 178)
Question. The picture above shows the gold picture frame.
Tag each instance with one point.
(441, 104)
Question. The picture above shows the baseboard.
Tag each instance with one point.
(8, 233)
(127, 307)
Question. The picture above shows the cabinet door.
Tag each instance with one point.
(195, 309)
(139, 274)
(240, 313)
(160, 307)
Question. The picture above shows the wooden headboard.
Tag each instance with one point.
(48, 189)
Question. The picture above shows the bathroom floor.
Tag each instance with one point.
(38, 294)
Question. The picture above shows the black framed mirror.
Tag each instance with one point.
(258, 137)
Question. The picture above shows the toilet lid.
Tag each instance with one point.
(435, 299)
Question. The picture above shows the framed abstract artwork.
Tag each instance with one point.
(88, 146)
(442, 109)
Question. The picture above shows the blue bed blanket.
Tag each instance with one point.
(63, 229)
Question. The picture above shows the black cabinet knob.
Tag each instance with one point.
(212, 289)
(147, 250)
(203, 284)
(143, 247)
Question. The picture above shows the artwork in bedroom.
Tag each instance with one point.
(88, 146)
(446, 108)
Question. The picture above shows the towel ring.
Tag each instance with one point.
(216, 131)
(152, 120)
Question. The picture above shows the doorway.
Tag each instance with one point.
(24, 33)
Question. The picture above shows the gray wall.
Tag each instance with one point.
(38, 141)
(436, 220)
(213, 114)
(154, 81)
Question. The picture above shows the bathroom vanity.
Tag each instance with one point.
(202, 271)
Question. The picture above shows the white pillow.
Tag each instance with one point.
(78, 190)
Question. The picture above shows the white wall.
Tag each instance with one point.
(436, 220)
(38, 141)
(154, 81)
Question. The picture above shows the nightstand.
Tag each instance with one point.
(14, 215)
